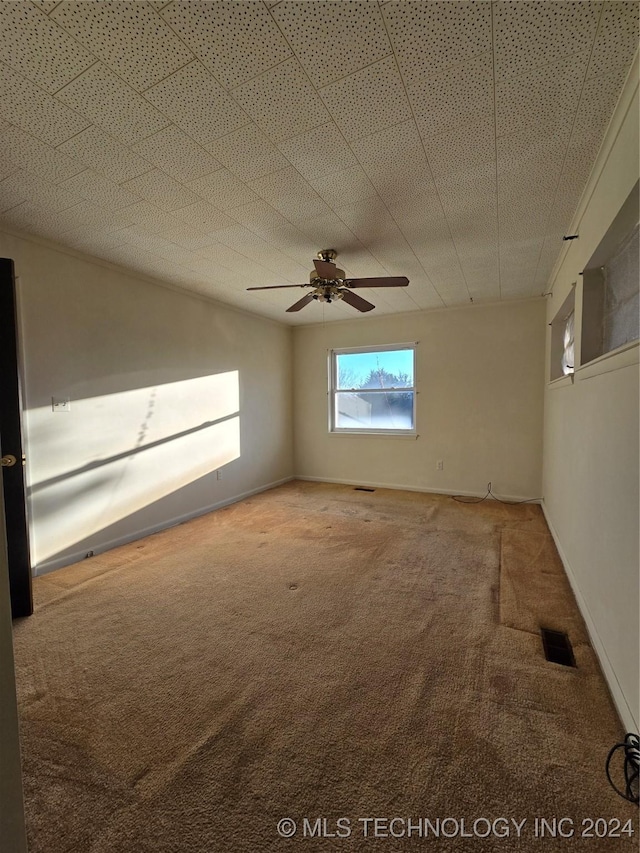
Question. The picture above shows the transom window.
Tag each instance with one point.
(372, 390)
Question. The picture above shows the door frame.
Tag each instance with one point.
(13, 479)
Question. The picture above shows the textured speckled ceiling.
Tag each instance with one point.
(219, 145)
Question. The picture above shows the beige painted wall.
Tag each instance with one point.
(590, 472)
(479, 409)
(166, 389)
(12, 828)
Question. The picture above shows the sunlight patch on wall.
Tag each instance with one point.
(110, 456)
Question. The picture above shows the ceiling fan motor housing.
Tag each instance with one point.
(314, 278)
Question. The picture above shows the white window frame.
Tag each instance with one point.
(333, 390)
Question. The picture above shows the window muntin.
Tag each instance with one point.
(373, 390)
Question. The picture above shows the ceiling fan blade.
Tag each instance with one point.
(389, 281)
(325, 269)
(301, 303)
(278, 286)
(357, 301)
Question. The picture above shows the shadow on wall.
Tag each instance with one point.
(111, 456)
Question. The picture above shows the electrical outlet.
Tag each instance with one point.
(60, 404)
(219, 474)
(439, 465)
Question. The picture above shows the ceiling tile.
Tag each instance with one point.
(258, 216)
(21, 186)
(139, 260)
(254, 247)
(395, 161)
(12, 193)
(179, 255)
(429, 236)
(129, 37)
(94, 187)
(161, 190)
(224, 256)
(204, 216)
(194, 101)
(318, 152)
(354, 32)
(617, 38)
(529, 165)
(43, 220)
(236, 41)
(223, 190)
(471, 192)
(370, 221)
(35, 156)
(91, 242)
(340, 188)
(454, 97)
(329, 232)
(290, 240)
(46, 5)
(530, 35)
(545, 97)
(522, 218)
(186, 236)
(32, 44)
(32, 109)
(429, 37)
(7, 167)
(35, 219)
(290, 194)
(100, 96)
(148, 215)
(136, 235)
(94, 147)
(172, 151)
(282, 101)
(86, 214)
(597, 101)
(368, 100)
(248, 153)
(467, 146)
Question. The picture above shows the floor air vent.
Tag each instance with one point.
(557, 647)
(362, 489)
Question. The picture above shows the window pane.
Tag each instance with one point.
(386, 369)
(374, 410)
(568, 361)
(621, 317)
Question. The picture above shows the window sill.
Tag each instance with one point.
(561, 381)
(624, 356)
(410, 436)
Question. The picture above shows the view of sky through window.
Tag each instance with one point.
(389, 368)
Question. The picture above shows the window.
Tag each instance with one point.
(568, 355)
(611, 298)
(563, 340)
(372, 390)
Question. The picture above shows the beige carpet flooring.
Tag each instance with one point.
(314, 651)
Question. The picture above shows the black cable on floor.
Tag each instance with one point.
(463, 499)
(631, 747)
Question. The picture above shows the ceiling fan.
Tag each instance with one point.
(329, 284)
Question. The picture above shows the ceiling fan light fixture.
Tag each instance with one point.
(329, 284)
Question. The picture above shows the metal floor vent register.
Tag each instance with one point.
(557, 648)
